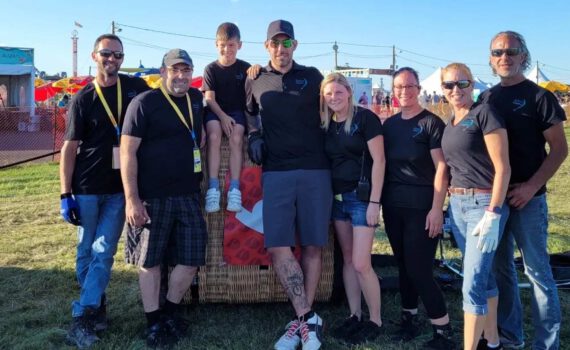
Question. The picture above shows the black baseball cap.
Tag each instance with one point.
(176, 56)
(280, 26)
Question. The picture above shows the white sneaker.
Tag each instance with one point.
(234, 200)
(291, 339)
(212, 200)
(311, 332)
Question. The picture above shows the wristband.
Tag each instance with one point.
(65, 195)
(374, 202)
(496, 210)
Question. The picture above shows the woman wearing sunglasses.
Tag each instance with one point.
(476, 150)
(412, 200)
(355, 147)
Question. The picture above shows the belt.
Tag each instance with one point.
(468, 191)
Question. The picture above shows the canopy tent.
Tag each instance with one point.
(65, 85)
(555, 86)
(537, 75)
(154, 81)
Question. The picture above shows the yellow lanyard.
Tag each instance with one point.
(114, 121)
(179, 113)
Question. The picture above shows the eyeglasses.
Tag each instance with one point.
(462, 84)
(107, 53)
(184, 71)
(512, 51)
(287, 43)
(402, 87)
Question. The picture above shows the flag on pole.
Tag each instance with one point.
(77, 24)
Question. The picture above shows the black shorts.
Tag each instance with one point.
(239, 117)
(177, 229)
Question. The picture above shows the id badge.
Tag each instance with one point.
(338, 197)
(197, 160)
(116, 158)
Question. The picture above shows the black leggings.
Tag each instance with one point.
(415, 252)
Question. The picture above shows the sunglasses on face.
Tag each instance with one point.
(287, 43)
(513, 51)
(462, 84)
(107, 53)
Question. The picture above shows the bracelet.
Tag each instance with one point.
(65, 195)
(374, 202)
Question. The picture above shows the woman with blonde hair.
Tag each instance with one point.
(475, 148)
(355, 147)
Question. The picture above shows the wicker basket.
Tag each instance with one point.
(219, 282)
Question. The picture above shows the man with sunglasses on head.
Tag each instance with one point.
(282, 106)
(161, 171)
(533, 119)
(91, 191)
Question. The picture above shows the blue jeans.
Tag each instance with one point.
(350, 209)
(528, 228)
(478, 277)
(102, 219)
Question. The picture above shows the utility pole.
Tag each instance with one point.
(536, 71)
(74, 38)
(335, 48)
(113, 27)
(393, 58)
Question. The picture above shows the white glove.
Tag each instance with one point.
(488, 231)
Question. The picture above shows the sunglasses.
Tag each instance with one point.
(107, 53)
(287, 43)
(513, 51)
(462, 84)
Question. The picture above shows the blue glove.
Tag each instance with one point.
(488, 231)
(69, 209)
(256, 147)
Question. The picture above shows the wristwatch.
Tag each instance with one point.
(496, 210)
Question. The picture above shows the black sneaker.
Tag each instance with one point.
(442, 338)
(156, 336)
(483, 345)
(409, 328)
(347, 327)
(81, 333)
(100, 317)
(368, 331)
(175, 328)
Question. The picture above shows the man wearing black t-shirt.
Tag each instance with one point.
(161, 171)
(92, 195)
(533, 118)
(297, 191)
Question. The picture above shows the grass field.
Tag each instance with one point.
(37, 283)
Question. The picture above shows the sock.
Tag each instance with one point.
(493, 346)
(234, 184)
(152, 317)
(170, 308)
(213, 182)
(305, 317)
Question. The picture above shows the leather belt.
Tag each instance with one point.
(468, 191)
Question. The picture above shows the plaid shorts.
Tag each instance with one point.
(177, 231)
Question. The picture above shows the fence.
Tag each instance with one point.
(25, 137)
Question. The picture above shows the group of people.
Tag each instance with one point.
(134, 154)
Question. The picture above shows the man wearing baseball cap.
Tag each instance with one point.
(161, 173)
(297, 190)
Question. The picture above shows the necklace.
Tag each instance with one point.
(338, 125)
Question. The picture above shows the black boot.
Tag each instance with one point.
(409, 328)
(442, 338)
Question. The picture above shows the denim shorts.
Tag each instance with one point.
(350, 209)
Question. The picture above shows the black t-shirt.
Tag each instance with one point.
(410, 172)
(464, 147)
(345, 150)
(165, 155)
(289, 108)
(228, 84)
(88, 122)
(528, 110)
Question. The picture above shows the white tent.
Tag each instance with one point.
(537, 75)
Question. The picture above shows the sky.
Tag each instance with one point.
(426, 33)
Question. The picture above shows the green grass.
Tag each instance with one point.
(37, 283)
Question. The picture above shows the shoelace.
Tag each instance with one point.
(304, 332)
(293, 329)
(234, 195)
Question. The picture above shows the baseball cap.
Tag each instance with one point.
(175, 56)
(280, 26)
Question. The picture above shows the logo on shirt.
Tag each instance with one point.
(519, 104)
(302, 83)
(131, 94)
(239, 76)
(417, 131)
(467, 123)
(353, 129)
